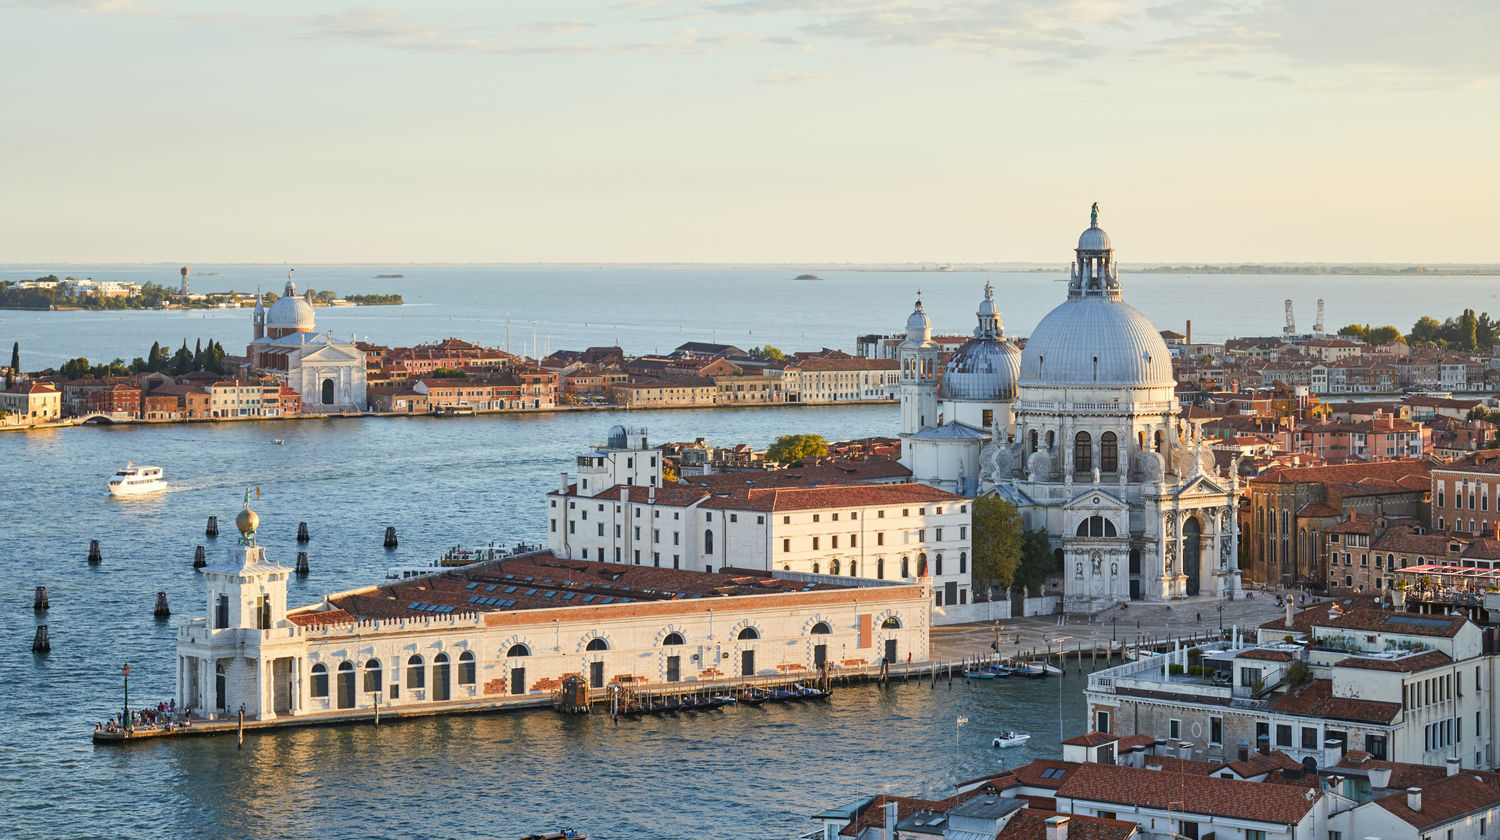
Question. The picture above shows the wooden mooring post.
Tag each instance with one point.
(213, 527)
(40, 643)
(200, 558)
(390, 536)
(40, 604)
(302, 567)
(95, 558)
(302, 536)
(162, 610)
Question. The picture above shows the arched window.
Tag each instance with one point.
(1096, 526)
(1051, 441)
(672, 639)
(328, 392)
(1140, 440)
(815, 568)
(440, 681)
(922, 565)
(518, 650)
(1161, 440)
(937, 564)
(346, 685)
(466, 668)
(1083, 452)
(1109, 453)
(853, 568)
(416, 675)
(1033, 440)
(597, 644)
(319, 680)
(891, 623)
(708, 542)
(833, 567)
(963, 562)
(748, 633)
(821, 629)
(372, 675)
(905, 567)
(880, 568)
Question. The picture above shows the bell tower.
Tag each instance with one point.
(918, 356)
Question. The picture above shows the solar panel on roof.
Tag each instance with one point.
(530, 592)
(549, 593)
(491, 587)
(569, 596)
(587, 598)
(471, 586)
(606, 600)
(1418, 621)
(509, 589)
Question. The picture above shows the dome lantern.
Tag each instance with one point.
(1095, 273)
(918, 325)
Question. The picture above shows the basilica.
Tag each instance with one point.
(1080, 431)
(328, 374)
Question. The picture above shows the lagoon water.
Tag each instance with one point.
(737, 772)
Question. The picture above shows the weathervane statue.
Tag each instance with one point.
(1094, 215)
(248, 521)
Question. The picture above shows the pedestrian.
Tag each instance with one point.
(1199, 616)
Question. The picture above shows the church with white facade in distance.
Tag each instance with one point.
(328, 374)
(1078, 429)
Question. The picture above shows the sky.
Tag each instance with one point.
(817, 131)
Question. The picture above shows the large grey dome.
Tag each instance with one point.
(290, 312)
(982, 369)
(1096, 340)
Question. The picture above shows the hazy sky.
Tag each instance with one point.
(747, 130)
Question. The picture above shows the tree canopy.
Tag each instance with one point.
(768, 353)
(1466, 331)
(789, 449)
(997, 542)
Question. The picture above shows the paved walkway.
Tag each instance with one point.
(1132, 624)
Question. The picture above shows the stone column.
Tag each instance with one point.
(1066, 443)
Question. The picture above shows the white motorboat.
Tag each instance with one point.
(458, 556)
(134, 481)
(1011, 738)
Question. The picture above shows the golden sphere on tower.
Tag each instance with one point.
(247, 521)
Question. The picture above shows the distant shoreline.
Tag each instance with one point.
(1324, 270)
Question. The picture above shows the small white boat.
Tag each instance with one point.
(134, 481)
(1011, 738)
(278, 441)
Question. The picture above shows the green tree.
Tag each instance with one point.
(768, 353)
(75, 368)
(1353, 330)
(1468, 330)
(1426, 330)
(790, 449)
(156, 359)
(182, 360)
(1384, 335)
(997, 542)
(198, 355)
(1036, 559)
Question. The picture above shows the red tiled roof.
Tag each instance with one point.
(1406, 664)
(1387, 471)
(1208, 795)
(1403, 774)
(1034, 773)
(1257, 764)
(1090, 739)
(1445, 799)
(1316, 700)
(1388, 621)
(1192, 767)
(1031, 824)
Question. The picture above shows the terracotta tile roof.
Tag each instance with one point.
(1133, 741)
(1208, 795)
(1387, 471)
(1316, 700)
(873, 815)
(1403, 774)
(1367, 525)
(1045, 772)
(1267, 655)
(1407, 540)
(1483, 461)
(1257, 764)
(830, 471)
(1031, 824)
(1388, 621)
(1192, 767)
(1090, 739)
(537, 581)
(1443, 800)
(1302, 622)
(844, 496)
(1406, 664)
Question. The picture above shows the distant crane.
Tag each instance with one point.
(1290, 330)
(1319, 330)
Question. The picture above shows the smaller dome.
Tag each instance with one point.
(290, 312)
(247, 521)
(918, 319)
(1094, 239)
(982, 369)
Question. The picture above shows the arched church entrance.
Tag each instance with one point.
(1192, 543)
(328, 392)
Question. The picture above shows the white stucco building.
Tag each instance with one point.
(327, 373)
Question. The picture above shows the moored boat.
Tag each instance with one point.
(1011, 738)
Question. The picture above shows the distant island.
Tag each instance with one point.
(390, 277)
(808, 277)
(72, 293)
(1362, 270)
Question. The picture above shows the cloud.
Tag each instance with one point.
(780, 76)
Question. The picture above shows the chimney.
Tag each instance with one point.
(1138, 755)
(1333, 752)
(1453, 766)
(1289, 613)
(651, 495)
(890, 821)
(563, 487)
(1242, 751)
(1414, 799)
(1380, 777)
(1057, 828)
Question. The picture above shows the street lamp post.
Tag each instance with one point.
(1112, 620)
(125, 718)
(1221, 619)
